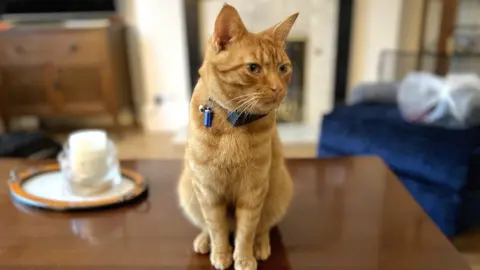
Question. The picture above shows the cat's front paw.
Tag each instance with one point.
(245, 263)
(221, 260)
(262, 248)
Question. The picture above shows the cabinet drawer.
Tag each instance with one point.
(80, 89)
(25, 89)
(58, 47)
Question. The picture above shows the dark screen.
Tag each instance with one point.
(49, 6)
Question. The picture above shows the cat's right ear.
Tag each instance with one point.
(228, 27)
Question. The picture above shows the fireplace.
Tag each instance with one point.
(291, 109)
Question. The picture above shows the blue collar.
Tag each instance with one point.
(235, 118)
(240, 119)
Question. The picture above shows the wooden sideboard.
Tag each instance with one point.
(58, 71)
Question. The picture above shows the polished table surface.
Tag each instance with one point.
(349, 213)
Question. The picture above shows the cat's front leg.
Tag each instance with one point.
(215, 214)
(248, 212)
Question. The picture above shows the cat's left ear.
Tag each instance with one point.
(280, 31)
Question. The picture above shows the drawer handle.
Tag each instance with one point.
(19, 49)
(73, 48)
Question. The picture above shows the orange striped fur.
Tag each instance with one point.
(235, 179)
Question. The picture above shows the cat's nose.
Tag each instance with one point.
(276, 90)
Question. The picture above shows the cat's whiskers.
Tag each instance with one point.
(253, 105)
(250, 106)
(251, 101)
(243, 100)
(247, 104)
(244, 103)
(241, 96)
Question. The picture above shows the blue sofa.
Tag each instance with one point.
(440, 167)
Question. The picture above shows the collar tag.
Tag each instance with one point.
(207, 117)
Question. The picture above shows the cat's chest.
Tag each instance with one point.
(242, 146)
(234, 149)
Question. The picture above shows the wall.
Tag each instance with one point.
(432, 25)
(159, 61)
(469, 12)
(410, 27)
(376, 28)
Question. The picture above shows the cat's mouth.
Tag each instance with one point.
(272, 101)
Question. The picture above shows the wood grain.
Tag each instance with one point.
(349, 213)
(446, 31)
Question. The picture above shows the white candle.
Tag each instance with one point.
(88, 156)
(88, 141)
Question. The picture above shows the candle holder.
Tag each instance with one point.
(87, 168)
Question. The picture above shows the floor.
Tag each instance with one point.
(138, 145)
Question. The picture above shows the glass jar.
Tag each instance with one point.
(89, 171)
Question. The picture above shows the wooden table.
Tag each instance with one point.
(349, 213)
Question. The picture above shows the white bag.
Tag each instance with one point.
(452, 102)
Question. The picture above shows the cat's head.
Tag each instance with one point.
(247, 71)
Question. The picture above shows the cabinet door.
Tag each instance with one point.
(80, 89)
(26, 90)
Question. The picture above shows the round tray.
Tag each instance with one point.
(43, 187)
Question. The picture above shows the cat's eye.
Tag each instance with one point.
(282, 69)
(254, 68)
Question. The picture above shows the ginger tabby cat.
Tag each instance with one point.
(235, 179)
